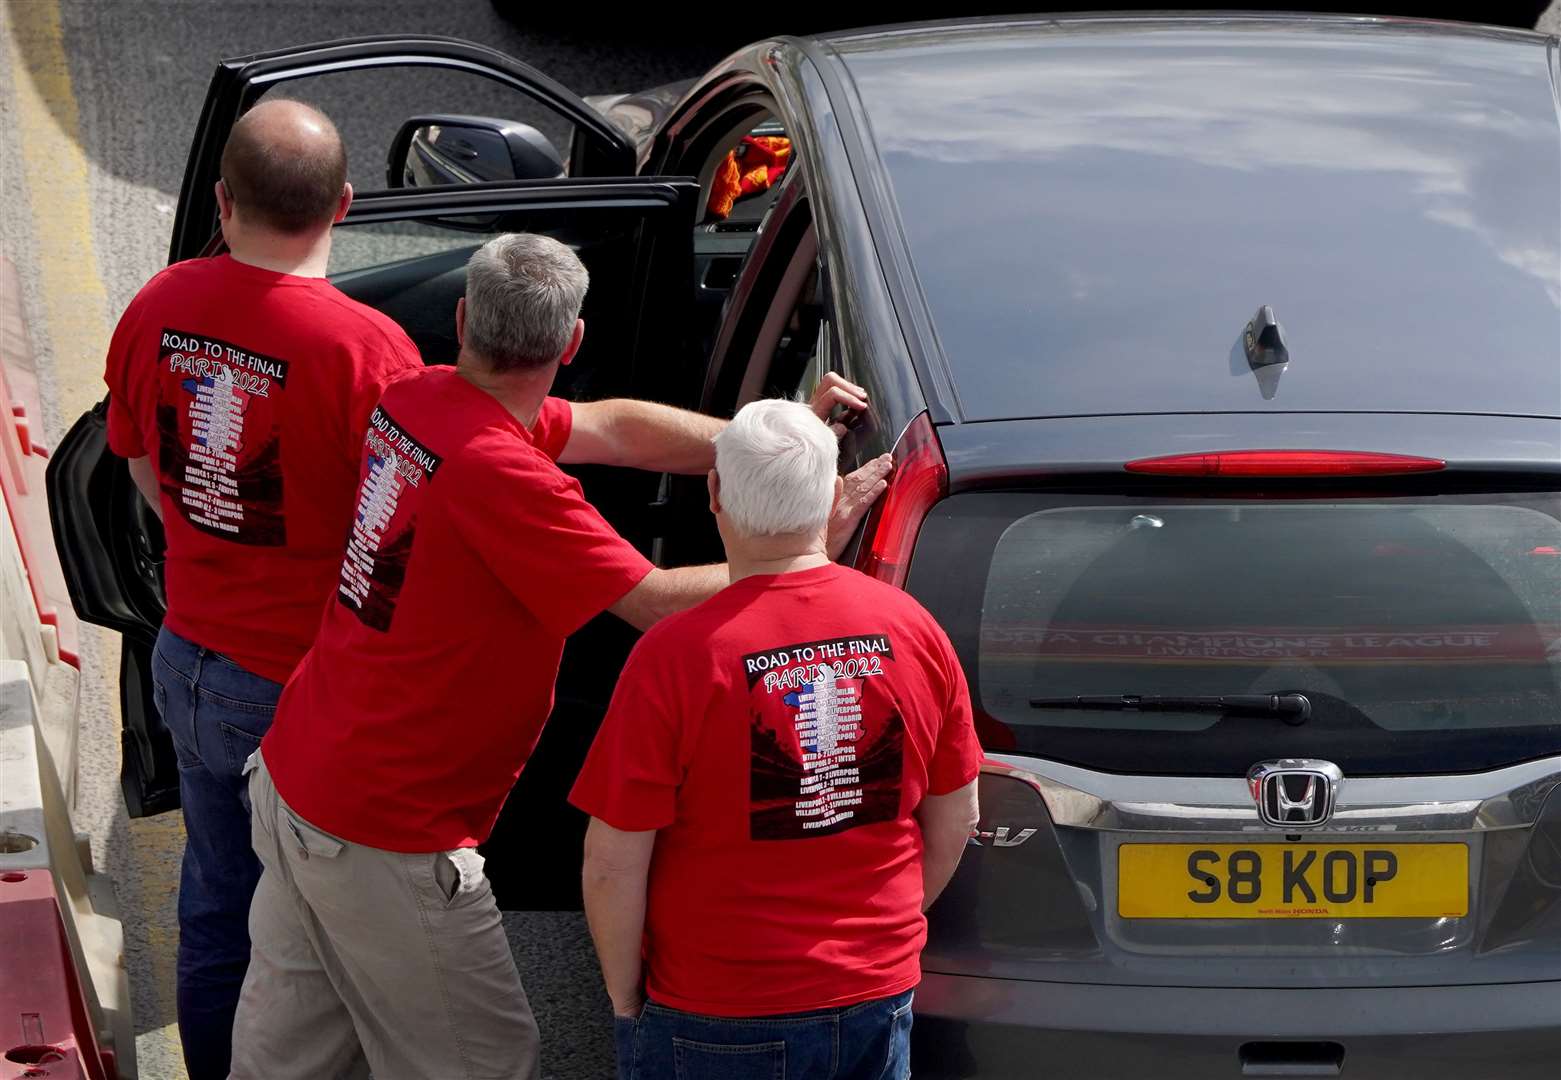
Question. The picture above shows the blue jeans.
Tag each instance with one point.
(217, 713)
(869, 1041)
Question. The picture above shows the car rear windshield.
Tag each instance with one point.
(1425, 631)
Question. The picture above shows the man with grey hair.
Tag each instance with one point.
(377, 942)
(785, 781)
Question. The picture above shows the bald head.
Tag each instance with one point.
(285, 166)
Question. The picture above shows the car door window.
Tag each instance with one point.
(740, 180)
(792, 351)
(413, 268)
(406, 97)
(370, 106)
(778, 340)
(413, 271)
(367, 246)
(740, 174)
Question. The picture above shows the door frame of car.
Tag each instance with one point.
(599, 148)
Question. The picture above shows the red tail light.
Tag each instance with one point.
(920, 478)
(1240, 463)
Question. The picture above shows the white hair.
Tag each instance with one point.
(777, 462)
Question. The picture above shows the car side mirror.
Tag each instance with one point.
(437, 151)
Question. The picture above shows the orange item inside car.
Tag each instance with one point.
(756, 164)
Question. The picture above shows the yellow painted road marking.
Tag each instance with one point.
(77, 327)
(55, 170)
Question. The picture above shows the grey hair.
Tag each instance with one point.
(777, 464)
(523, 295)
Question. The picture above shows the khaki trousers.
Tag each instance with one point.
(363, 959)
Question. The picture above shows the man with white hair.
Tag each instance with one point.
(785, 781)
(376, 940)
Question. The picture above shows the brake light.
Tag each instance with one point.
(1240, 463)
(919, 480)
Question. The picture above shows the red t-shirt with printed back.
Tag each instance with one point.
(250, 390)
(472, 557)
(780, 736)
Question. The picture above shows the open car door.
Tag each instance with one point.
(111, 550)
(404, 252)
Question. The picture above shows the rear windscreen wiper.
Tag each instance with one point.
(1294, 708)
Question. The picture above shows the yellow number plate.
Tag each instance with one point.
(1292, 881)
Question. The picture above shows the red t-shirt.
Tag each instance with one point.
(250, 389)
(471, 559)
(780, 736)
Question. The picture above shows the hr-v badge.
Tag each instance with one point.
(1002, 836)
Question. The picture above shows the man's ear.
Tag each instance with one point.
(574, 344)
(713, 483)
(460, 321)
(840, 487)
(346, 201)
(224, 201)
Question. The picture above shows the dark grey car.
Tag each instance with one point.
(1221, 358)
(1353, 867)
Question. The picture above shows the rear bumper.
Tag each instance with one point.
(995, 1029)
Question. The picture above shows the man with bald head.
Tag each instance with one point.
(240, 388)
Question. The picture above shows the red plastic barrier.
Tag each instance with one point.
(46, 1032)
(22, 463)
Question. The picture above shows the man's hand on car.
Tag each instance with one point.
(858, 491)
(832, 390)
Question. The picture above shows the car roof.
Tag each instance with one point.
(1096, 207)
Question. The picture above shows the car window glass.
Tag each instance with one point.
(1421, 629)
(1349, 599)
(736, 188)
(789, 311)
(740, 180)
(415, 271)
(378, 244)
(801, 354)
(369, 107)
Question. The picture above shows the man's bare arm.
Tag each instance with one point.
(613, 879)
(641, 435)
(666, 592)
(661, 438)
(145, 477)
(946, 824)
